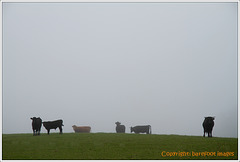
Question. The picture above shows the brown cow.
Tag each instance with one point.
(81, 129)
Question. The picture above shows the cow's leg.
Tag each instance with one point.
(204, 134)
(48, 131)
(208, 134)
(60, 128)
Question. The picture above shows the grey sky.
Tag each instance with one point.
(164, 64)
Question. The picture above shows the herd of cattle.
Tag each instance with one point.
(37, 124)
(208, 124)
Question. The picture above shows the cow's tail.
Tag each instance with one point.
(150, 128)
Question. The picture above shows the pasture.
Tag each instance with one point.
(76, 146)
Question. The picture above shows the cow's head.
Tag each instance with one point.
(210, 118)
(118, 123)
(34, 118)
(74, 126)
(44, 124)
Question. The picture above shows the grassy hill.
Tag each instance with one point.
(71, 146)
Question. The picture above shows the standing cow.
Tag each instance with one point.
(53, 125)
(208, 124)
(142, 129)
(120, 128)
(36, 125)
(81, 129)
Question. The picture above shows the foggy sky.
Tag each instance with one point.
(167, 65)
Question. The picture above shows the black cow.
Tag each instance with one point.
(120, 128)
(208, 124)
(36, 125)
(142, 129)
(53, 125)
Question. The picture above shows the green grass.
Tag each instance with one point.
(69, 146)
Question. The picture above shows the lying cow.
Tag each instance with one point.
(53, 125)
(141, 129)
(208, 124)
(36, 125)
(81, 129)
(120, 128)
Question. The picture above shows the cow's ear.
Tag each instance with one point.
(213, 117)
(31, 118)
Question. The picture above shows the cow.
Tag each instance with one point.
(142, 129)
(53, 125)
(120, 128)
(208, 124)
(36, 125)
(81, 129)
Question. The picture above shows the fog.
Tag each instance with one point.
(167, 65)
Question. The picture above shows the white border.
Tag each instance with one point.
(123, 1)
(1, 77)
(238, 70)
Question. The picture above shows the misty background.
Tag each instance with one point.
(167, 65)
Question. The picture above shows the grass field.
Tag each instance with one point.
(69, 146)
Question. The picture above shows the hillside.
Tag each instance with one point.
(71, 146)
